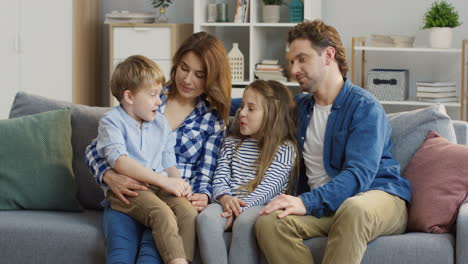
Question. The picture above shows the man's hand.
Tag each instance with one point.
(231, 205)
(290, 204)
(122, 185)
(177, 187)
(199, 201)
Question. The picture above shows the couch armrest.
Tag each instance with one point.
(462, 235)
(461, 129)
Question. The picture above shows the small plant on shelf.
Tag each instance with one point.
(161, 3)
(441, 14)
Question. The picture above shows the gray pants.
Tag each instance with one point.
(210, 230)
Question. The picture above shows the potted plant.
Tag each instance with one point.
(271, 11)
(161, 4)
(441, 17)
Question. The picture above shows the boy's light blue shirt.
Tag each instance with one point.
(152, 145)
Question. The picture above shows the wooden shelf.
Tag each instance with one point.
(415, 49)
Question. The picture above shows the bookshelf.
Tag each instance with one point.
(359, 45)
(257, 40)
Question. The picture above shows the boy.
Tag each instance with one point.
(138, 142)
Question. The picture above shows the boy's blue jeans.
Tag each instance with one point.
(127, 241)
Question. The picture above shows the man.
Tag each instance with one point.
(349, 188)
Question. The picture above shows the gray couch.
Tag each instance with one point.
(75, 237)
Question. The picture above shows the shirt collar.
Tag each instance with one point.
(132, 122)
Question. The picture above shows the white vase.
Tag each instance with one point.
(271, 13)
(440, 37)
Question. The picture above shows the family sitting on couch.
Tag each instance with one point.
(346, 186)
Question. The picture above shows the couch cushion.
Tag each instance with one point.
(36, 163)
(84, 124)
(438, 174)
(51, 237)
(410, 128)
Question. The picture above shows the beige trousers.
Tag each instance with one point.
(172, 220)
(358, 221)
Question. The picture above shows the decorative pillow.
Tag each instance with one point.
(438, 175)
(84, 122)
(36, 163)
(410, 128)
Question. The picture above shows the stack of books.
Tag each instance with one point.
(436, 92)
(270, 70)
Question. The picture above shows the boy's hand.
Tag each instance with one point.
(231, 204)
(199, 201)
(230, 220)
(177, 187)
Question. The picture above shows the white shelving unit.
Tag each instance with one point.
(358, 44)
(257, 40)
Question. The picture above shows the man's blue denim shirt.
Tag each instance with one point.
(356, 154)
(357, 151)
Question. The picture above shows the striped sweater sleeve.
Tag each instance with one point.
(222, 175)
(276, 177)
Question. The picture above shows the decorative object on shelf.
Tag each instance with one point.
(212, 13)
(222, 12)
(296, 11)
(236, 61)
(242, 11)
(388, 85)
(162, 5)
(441, 18)
(437, 92)
(271, 11)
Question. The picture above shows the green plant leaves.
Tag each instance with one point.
(161, 3)
(441, 14)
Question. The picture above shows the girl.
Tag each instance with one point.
(196, 104)
(254, 166)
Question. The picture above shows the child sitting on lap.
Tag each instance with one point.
(137, 141)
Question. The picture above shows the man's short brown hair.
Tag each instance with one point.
(321, 35)
(131, 73)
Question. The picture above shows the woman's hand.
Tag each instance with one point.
(231, 205)
(199, 201)
(122, 185)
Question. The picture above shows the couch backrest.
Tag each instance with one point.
(84, 121)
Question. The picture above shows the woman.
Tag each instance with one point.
(196, 104)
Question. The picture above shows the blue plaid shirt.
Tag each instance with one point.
(198, 140)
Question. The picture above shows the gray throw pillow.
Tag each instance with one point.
(409, 129)
(84, 122)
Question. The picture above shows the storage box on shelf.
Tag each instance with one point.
(158, 42)
(359, 45)
(257, 40)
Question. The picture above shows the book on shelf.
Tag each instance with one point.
(436, 95)
(436, 84)
(274, 62)
(242, 11)
(436, 89)
(439, 100)
(268, 66)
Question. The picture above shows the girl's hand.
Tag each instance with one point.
(231, 204)
(230, 220)
(199, 201)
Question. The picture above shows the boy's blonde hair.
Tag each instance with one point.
(278, 127)
(132, 73)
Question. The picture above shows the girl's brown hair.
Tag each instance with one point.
(211, 52)
(278, 127)
(321, 35)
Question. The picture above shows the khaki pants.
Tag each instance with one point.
(359, 220)
(172, 220)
